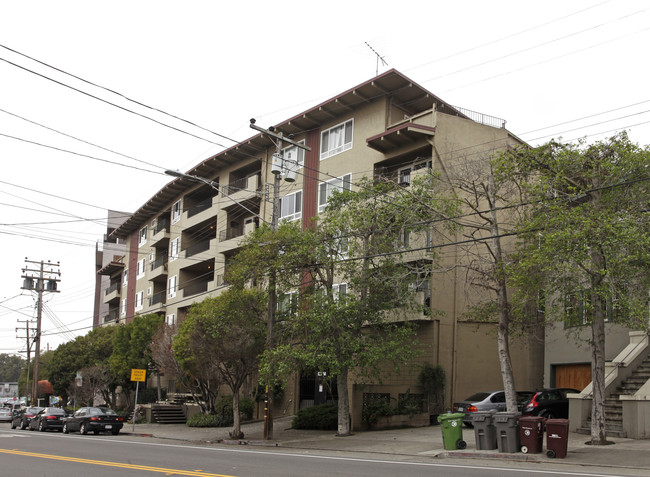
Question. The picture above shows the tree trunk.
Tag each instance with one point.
(344, 403)
(503, 340)
(598, 433)
(236, 427)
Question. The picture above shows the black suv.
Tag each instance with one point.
(549, 403)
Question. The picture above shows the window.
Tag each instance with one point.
(142, 237)
(291, 206)
(125, 277)
(171, 287)
(336, 140)
(173, 249)
(575, 309)
(148, 291)
(339, 290)
(170, 319)
(139, 300)
(325, 189)
(176, 212)
(140, 269)
(123, 309)
(287, 303)
(405, 174)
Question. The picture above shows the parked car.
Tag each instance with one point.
(94, 419)
(5, 414)
(487, 401)
(48, 418)
(22, 417)
(549, 403)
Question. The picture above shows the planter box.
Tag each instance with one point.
(402, 420)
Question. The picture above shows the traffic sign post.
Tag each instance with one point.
(139, 376)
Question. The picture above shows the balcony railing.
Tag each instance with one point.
(482, 118)
(161, 224)
(158, 298)
(197, 248)
(112, 315)
(230, 233)
(114, 287)
(241, 184)
(159, 262)
(195, 288)
(199, 207)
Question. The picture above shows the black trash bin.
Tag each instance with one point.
(557, 437)
(531, 434)
(507, 431)
(484, 431)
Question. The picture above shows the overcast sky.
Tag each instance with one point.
(575, 69)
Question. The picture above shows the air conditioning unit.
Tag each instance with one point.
(249, 225)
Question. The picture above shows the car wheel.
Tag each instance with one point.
(65, 428)
(96, 433)
(115, 432)
(41, 427)
(83, 429)
(468, 424)
(23, 425)
(13, 426)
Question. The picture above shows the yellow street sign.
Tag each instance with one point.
(138, 375)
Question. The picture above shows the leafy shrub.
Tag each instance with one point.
(321, 417)
(223, 407)
(150, 395)
(373, 410)
(209, 420)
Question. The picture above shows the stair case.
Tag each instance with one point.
(168, 414)
(613, 404)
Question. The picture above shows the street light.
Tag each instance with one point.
(215, 186)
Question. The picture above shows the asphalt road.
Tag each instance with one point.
(24, 453)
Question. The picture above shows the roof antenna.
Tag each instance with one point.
(379, 58)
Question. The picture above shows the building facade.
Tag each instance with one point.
(179, 243)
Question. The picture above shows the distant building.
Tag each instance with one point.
(109, 255)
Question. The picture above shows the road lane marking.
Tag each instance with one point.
(197, 473)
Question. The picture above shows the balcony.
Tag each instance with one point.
(159, 269)
(112, 317)
(240, 190)
(199, 207)
(160, 233)
(112, 293)
(159, 298)
(195, 288)
(197, 248)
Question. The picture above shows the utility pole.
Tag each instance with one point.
(41, 279)
(28, 351)
(278, 168)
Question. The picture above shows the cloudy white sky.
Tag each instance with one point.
(574, 70)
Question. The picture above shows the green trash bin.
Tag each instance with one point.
(452, 430)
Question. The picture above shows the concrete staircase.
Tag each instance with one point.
(168, 414)
(613, 404)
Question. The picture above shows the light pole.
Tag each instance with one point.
(278, 168)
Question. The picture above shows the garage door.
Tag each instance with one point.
(576, 376)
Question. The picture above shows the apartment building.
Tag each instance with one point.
(180, 241)
(109, 256)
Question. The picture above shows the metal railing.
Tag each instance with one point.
(230, 233)
(157, 298)
(114, 287)
(481, 118)
(161, 224)
(195, 289)
(159, 262)
(199, 207)
(197, 248)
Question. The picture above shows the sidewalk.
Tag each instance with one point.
(421, 442)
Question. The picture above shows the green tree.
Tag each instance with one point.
(131, 348)
(353, 281)
(10, 367)
(233, 325)
(586, 237)
(92, 349)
